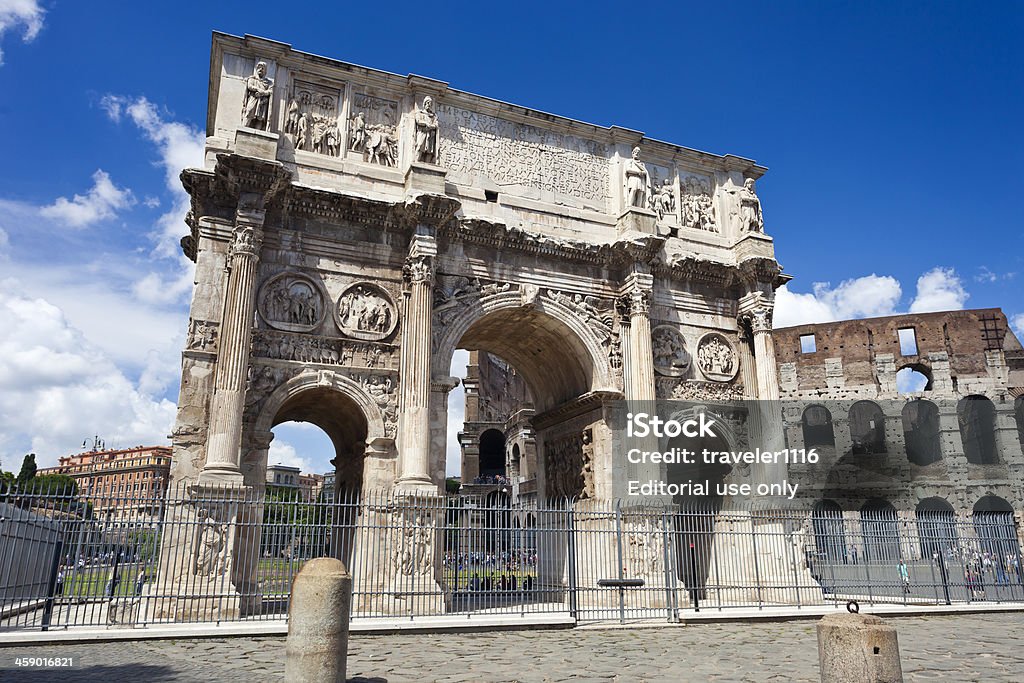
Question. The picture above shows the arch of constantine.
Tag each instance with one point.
(352, 228)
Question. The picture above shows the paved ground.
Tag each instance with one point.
(959, 649)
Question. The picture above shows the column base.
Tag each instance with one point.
(221, 476)
(416, 487)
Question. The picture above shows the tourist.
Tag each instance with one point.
(904, 575)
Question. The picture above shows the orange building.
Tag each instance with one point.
(128, 478)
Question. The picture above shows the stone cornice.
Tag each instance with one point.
(622, 253)
(574, 408)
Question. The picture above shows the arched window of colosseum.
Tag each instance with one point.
(880, 532)
(829, 532)
(921, 432)
(492, 454)
(997, 534)
(912, 379)
(867, 428)
(936, 526)
(817, 425)
(977, 418)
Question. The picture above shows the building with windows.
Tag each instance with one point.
(287, 477)
(118, 479)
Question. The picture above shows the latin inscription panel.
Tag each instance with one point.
(516, 154)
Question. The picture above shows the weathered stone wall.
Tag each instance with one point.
(960, 353)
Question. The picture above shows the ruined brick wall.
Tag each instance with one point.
(850, 368)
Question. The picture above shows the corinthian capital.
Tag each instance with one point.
(637, 301)
(247, 240)
(419, 269)
(759, 317)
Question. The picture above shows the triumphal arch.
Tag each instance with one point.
(352, 228)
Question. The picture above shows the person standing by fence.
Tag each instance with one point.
(904, 575)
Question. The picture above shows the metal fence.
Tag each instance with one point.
(214, 555)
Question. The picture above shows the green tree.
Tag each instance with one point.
(28, 468)
(53, 485)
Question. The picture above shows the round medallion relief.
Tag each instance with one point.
(365, 311)
(670, 355)
(716, 357)
(292, 302)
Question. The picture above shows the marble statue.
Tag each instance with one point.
(426, 132)
(256, 105)
(750, 208)
(638, 181)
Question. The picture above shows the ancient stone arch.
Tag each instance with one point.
(358, 235)
(351, 228)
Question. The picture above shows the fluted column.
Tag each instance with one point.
(640, 361)
(414, 438)
(764, 352)
(638, 370)
(756, 311)
(228, 402)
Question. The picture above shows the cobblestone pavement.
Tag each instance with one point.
(961, 648)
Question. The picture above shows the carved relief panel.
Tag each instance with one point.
(697, 202)
(202, 335)
(509, 153)
(292, 302)
(311, 118)
(373, 129)
(716, 358)
(563, 465)
(365, 311)
(663, 193)
(306, 348)
(671, 357)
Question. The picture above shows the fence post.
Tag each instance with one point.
(670, 582)
(318, 617)
(757, 565)
(573, 581)
(621, 568)
(51, 587)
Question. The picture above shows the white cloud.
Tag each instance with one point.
(283, 453)
(909, 381)
(456, 414)
(5, 241)
(180, 146)
(99, 304)
(157, 288)
(940, 289)
(1017, 323)
(20, 13)
(56, 387)
(871, 296)
(101, 202)
(863, 297)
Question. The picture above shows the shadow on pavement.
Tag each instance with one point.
(150, 673)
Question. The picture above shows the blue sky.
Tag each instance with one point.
(891, 131)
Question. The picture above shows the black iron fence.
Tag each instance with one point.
(214, 555)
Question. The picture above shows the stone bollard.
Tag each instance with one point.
(858, 648)
(317, 645)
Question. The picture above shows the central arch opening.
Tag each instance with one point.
(344, 423)
(518, 363)
(522, 362)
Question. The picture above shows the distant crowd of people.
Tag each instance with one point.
(505, 560)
